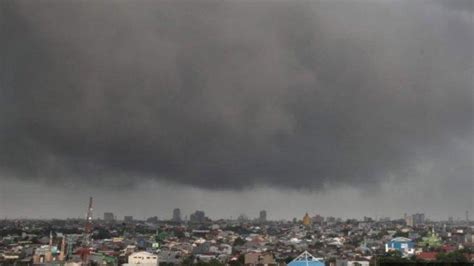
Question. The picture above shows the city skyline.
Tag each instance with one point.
(177, 215)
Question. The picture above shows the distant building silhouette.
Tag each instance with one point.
(415, 219)
(198, 217)
(176, 215)
(153, 219)
(418, 218)
(318, 219)
(109, 216)
(263, 216)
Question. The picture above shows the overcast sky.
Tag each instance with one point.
(343, 108)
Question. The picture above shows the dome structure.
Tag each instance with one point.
(306, 220)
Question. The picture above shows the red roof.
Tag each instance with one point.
(448, 248)
(429, 256)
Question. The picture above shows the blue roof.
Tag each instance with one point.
(401, 239)
(306, 263)
(306, 259)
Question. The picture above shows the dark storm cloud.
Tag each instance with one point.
(227, 95)
(461, 5)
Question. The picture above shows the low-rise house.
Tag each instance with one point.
(427, 256)
(254, 258)
(402, 244)
(171, 257)
(352, 263)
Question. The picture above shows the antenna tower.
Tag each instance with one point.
(87, 235)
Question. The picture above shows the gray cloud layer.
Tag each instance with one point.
(227, 95)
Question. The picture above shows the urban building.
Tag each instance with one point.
(306, 220)
(427, 256)
(352, 263)
(415, 219)
(109, 216)
(368, 219)
(402, 244)
(170, 257)
(409, 220)
(142, 258)
(101, 259)
(418, 218)
(176, 215)
(306, 259)
(228, 241)
(152, 220)
(257, 258)
(128, 218)
(198, 217)
(42, 255)
(243, 218)
(262, 216)
(318, 219)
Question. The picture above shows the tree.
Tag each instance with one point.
(213, 262)
(455, 256)
(188, 260)
(392, 257)
(289, 259)
(400, 234)
(239, 241)
(239, 262)
(101, 233)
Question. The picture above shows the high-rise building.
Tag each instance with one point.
(415, 219)
(153, 220)
(243, 218)
(128, 218)
(176, 215)
(418, 218)
(409, 220)
(262, 216)
(198, 217)
(318, 219)
(109, 216)
(306, 220)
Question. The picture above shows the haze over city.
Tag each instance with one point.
(342, 108)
